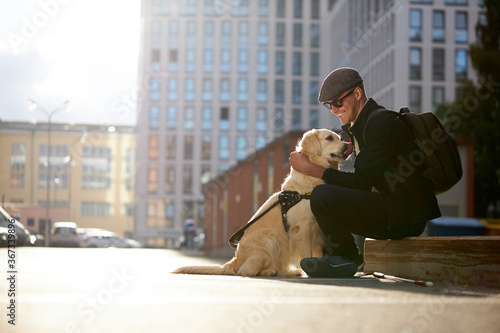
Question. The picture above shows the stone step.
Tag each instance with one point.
(458, 260)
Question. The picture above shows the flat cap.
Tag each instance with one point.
(338, 81)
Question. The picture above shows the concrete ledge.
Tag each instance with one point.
(458, 260)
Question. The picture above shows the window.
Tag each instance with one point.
(260, 142)
(297, 34)
(189, 118)
(243, 34)
(297, 92)
(262, 62)
(224, 119)
(297, 8)
(208, 59)
(190, 60)
(261, 90)
(239, 8)
(461, 64)
(225, 90)
(261, 121)
(226, 34)
(313, 92)
(262, 37)
(188, 147)
(280, 62)
(437, 97)
(172, 89)
(278, 121)
(241, 147)
(456, 2)
(297, 63)
(152, 178)
(242, 119)
(170, 179)
(224, 147)
(280, 34)
(173, 32)
(280, 8)
(95, 209)
(155, 61)
(206, 147)
(207, 90)
(438, 64)
(225, 60)
(17, 165)
(187, 7)
(296, 119)
(315, 9)
(154, 89)
(314, 35)
(153, 147)
(171, 117)
(415, 25)
(415, 63)
(156, 34)
(242, 90)
(96, 165)
(263, 8)
(243, 61)
(279, 91)
(313, 119)
(154, 115)
(314, 64)
(191, 34)
(189, 94)
(461, 35)
(173, 41)
(438, 26)
(415, 99)
(170, 147)
(160, 213)
(206, 118)
(208, 34)
(187, 179)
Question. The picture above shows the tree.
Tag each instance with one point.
(476, 112)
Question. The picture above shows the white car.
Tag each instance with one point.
(65, 234)
(104, 238)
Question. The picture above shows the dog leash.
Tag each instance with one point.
(286, 199)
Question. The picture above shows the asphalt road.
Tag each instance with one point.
(131, 290)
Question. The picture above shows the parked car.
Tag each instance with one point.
(64, 234)
(23, 235)
(104, 238)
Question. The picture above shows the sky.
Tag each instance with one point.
(82, 51)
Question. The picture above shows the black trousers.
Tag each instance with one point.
(341, 212)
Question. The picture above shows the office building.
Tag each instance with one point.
(90, 181)
(221, 80)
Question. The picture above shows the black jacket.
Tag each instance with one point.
(386, 164)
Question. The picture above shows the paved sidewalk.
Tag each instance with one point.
(131, 290)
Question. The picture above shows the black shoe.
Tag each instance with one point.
(330, 266)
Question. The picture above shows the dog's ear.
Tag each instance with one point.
(309, 144)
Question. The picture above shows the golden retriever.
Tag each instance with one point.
(266, 248)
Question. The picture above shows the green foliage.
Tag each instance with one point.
(476, 113)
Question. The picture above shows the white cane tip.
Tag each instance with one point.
(429, 284)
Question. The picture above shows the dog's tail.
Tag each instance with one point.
(226, 269)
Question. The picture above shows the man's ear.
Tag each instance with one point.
(309, 144)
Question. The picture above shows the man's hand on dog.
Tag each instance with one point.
(300, 162)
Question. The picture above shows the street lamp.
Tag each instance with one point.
(32, 105)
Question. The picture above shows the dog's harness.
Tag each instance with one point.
(286, 199)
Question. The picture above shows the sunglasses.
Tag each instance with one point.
(336, 103)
